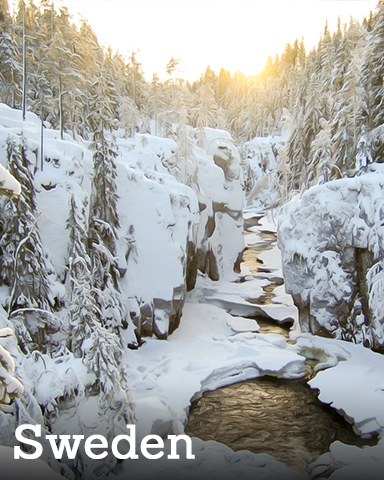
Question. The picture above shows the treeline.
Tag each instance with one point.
(329, 101)
(328, 104)
(58, 71)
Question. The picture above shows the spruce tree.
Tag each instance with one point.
(99, 348)
(23, 264)
(10, 60)
(103, 218)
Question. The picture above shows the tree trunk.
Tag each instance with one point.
(24, 67)
(42, 143)
(61, 110)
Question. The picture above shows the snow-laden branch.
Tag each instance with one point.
(10, 387)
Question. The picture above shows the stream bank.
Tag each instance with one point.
(280, 417)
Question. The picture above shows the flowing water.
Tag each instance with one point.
(283, 418)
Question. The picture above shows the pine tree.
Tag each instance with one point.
(99, 348)
(103, 219)
(374, 71)
(138, 90)
(10, 60)
(23, 264)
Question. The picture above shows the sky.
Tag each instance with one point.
(230, 34)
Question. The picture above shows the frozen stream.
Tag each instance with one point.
(281, 417)
(266, 423)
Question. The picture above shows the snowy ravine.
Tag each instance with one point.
(212, 348)
(172, 237)
(167, 233)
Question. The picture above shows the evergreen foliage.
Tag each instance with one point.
(22, 259)
(327, 105)
(78, 87)
(99, 348)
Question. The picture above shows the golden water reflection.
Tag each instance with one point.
(280, 417)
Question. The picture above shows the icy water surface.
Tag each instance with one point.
(280, 417)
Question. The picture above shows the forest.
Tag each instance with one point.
(331, 97)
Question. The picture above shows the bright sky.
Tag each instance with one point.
(234, 34)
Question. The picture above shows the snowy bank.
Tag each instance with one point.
(351, 381)
(69, 360)
(167, 231)
(332, 243)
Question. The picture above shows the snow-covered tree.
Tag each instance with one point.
(99, 348)
(10, 387)
(10, 60)
(23, 267)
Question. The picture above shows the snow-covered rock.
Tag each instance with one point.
(350, 380)
(216, 180)
(260, 165)
(332, 241)
(168, 231)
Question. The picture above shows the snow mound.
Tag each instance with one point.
(332, 243)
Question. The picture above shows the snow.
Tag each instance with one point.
(222, 355)
(351, 381)
(213, 461)
(8, 182)
(329, 237)
(218, 342)
(354, 463)
(158, 215)
(337, 385)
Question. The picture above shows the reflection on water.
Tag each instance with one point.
(270, 326)
(280, 417)
(266, 241)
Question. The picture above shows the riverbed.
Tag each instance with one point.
(280, 417)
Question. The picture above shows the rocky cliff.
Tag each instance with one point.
(332, 241)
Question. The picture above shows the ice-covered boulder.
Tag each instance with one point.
(332, 243)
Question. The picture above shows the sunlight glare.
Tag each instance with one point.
(235, 35)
